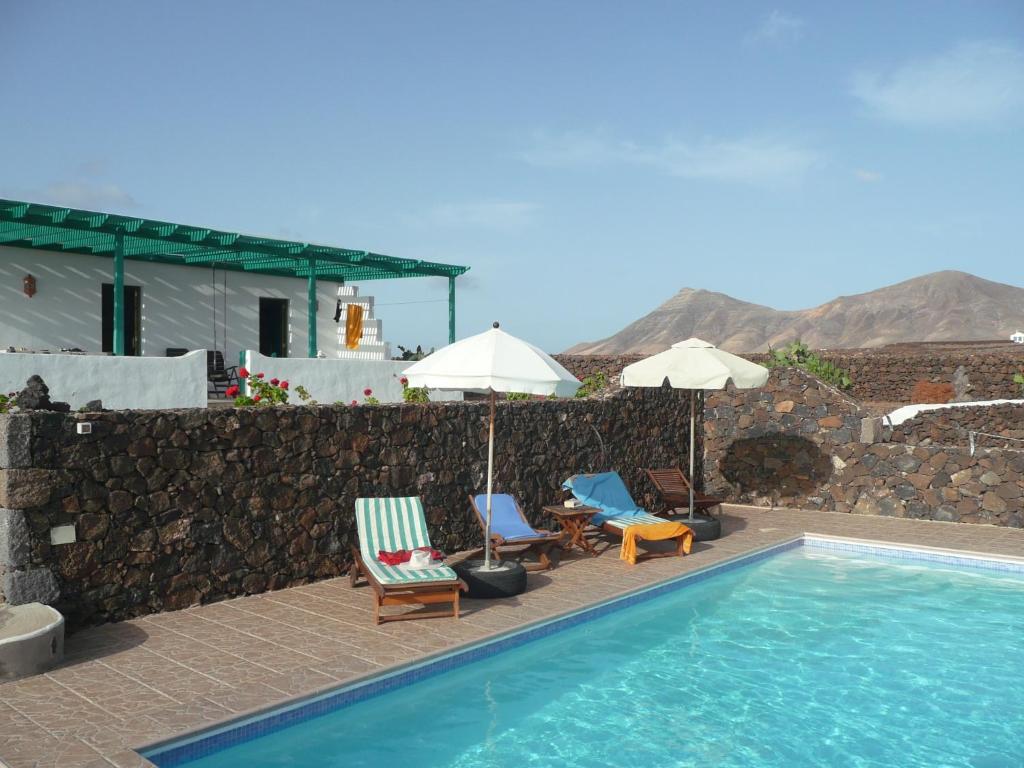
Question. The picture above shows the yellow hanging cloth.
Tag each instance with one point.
(353, 325)
(653, 532)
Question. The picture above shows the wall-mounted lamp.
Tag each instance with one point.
(28, 285)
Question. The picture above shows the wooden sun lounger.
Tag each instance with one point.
(540, 544)
(616, 525)
(674, 488)
(390, 525)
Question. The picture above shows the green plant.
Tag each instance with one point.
(304, 395)
(6, 402)
(796, 354)
(418, 354)
(592, 384)
(413, 394)
(1018, 379)
(517, 396)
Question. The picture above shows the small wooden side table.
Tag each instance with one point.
(574, 521)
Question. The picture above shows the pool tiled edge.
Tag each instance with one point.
(915, 553)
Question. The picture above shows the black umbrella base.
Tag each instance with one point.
(704, 527)
(504, 579)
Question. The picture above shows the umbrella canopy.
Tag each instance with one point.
(492, 361)
(694, 364)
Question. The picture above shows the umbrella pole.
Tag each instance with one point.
(490, 482)
(693, 426)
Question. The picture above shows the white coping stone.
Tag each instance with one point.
(910, 411)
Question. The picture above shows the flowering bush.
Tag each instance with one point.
(369, 399)
(413, 394)
(263, 391)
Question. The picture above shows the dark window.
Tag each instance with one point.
(274, 327)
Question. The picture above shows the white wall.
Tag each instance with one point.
(120, 382)
(177, 305)
(330, 380)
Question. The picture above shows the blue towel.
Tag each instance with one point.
(607, 492)
(505, 519)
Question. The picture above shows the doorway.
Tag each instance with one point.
(132, 319)
(274, 327)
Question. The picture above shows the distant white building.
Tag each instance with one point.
(1018, 337)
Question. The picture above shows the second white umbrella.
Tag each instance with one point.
(694, 364)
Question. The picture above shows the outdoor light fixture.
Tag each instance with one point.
(28, 284)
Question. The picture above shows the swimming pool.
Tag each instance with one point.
(829, 654)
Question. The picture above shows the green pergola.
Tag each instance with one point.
(50, 228)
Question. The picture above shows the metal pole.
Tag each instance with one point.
(693, 426)
(451, 310)
(311, 309)
(490, 484)
(119, 292)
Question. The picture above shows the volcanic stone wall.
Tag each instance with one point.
(883, 377)
(611, 366)
(774, 445)
(952, 426)
(172, 508)
(796, 443)
(878, 376)
(927, 482)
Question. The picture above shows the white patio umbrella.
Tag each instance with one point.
(490, 362)
(694, 364)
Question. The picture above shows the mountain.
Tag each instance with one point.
(942, 306)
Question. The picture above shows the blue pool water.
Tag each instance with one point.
(806, 658)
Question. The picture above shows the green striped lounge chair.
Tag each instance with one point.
(391, 525)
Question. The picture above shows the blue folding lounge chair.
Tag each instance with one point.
(510, 530)
(389, 525)
(607, 492)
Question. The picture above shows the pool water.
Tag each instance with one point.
(807, 658)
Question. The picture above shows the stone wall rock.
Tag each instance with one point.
(887, 377)
(796, 443)
(878, 375)
(774, 445)
(173, 508)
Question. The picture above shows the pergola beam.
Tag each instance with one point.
(71, 230)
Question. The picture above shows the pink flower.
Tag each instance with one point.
(354, 403)
(243, 372)
(231, 391)
(275, 382)
(367, 391)
(257, 399)
(259, 375)
(284, 385)
(405, 381)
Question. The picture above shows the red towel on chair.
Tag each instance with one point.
(404, 555)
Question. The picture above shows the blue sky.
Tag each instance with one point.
(586, 159)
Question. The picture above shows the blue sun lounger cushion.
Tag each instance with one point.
(607, 492)
(505, 519)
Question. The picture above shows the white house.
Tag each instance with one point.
(1018, 337)
(184, 288)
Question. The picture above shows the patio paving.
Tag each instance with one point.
(130, 684)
